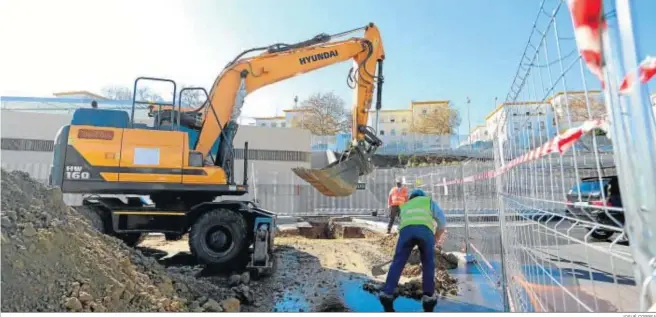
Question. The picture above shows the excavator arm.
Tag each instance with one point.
(281, 61)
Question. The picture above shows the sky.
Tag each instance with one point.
(435, 49)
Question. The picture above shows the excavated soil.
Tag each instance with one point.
(53, 260)
(444, 282)
(329, 228)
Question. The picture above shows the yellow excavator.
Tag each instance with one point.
(185, 160)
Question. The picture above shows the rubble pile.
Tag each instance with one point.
(54, 260)
(444, 282)
(443, 261)
(445, 285)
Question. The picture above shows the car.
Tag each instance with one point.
(587, 206)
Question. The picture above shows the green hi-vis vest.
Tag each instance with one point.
(417, 211)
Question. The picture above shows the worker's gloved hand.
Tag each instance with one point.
(429, 303)
(439, 242)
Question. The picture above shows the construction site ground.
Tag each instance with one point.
(53, 260)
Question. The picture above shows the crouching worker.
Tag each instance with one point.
(416, 229)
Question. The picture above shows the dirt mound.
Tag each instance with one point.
(443, 261)
(53, 260)
(332, 304)
(444, 283)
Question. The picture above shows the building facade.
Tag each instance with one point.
(522, 123)
(271, 122)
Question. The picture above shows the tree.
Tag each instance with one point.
(437, 121)
(117, 93)
(323, 114)
(578, 109)
(125, 93)
(192, 98)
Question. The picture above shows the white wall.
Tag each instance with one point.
(40, 126)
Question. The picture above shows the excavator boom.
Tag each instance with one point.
(281, 61)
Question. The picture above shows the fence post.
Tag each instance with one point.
(464, 206)
(502, 223)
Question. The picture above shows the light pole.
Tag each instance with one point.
(469, 122)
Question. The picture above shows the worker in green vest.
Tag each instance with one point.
(417, 228)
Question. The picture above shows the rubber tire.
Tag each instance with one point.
(235, 259)
(603, 235)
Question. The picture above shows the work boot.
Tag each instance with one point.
(387, 301)
(429, 303)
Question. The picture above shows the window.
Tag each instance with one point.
(528, 113)
(528, 125)
(553, 122)
(27, 145)
(382, 132)
(541, 125)
(393, 132)
(273, 124)
(403, 119)
(404, 132)
(392, 120)
(283, 124)
(424, 112)
(263, 124)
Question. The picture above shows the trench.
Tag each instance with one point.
(329, 228)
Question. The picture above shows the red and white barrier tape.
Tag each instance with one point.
(646, 71)
(560, 144)
(589, 25)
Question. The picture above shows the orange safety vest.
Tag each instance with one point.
(398, 196)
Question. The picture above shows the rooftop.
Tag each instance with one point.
(430, 102)
(270, 118)
(79, 92)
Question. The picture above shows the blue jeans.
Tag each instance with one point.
(410, 236)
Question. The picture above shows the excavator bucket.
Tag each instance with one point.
(340, 177)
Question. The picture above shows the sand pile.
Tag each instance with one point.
(53, 260)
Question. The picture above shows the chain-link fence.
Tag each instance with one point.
(570, 193)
